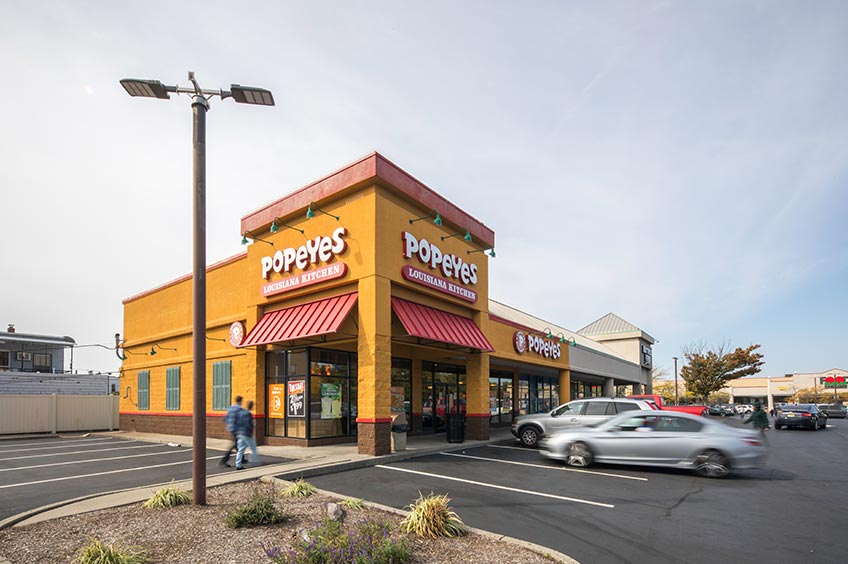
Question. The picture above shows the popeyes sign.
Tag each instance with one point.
(314, 251)
(526, 342)
(451, 266)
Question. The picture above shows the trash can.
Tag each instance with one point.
(456, 429)
(399, 429)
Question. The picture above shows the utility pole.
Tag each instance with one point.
(676, 399)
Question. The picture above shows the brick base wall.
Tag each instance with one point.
(477, 428)
(374, 439)
(182, 425)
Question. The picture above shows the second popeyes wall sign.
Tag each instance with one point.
(314, 251)
(453, 270)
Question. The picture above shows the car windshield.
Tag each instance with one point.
(795, 408)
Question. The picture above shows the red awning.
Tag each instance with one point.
(437, 325)
(305, 320)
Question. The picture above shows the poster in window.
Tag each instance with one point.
(276, 398)
(296, 406)
(331, 401)
(397, 399)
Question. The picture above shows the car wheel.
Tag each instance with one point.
(579, 454)
(529, 436)
(712, 464)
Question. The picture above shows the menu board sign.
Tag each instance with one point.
(296, 405)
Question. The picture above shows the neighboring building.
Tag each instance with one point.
(23, 352)
(782, 389)
(625, 339)
(35, 364)
(364, 294)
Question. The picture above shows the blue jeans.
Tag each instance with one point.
(245, 441)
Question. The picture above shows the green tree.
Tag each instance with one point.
(708, 370)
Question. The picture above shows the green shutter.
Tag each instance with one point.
(221, 383)
(172, 388)
(144, 389)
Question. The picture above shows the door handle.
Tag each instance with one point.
(573, 419)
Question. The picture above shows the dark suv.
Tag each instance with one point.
(530, 428)
(836, 410)
(806, 415)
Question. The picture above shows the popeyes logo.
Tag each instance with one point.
(539, 345)
(317, 250)
(452, 266)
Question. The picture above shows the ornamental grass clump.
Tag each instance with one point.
(98, 552)
(260, 509)
(352, 503)
(364, 542)
(299, 488)
(431, 517)
(169, 496)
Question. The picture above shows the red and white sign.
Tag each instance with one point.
(437, 283)
(236, 333)
(539, 345)
(329, 272)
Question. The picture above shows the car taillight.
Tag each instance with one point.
(805, 414)
(750, 441)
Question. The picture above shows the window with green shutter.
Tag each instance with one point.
(144, 389)
(172, 388)
(222, 374)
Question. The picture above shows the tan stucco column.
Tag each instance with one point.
(564, 386)
(477, 387)
(374, 349)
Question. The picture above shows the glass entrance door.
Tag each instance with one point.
(445, 404)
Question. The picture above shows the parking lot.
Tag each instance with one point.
(42, 471)
(793, 510)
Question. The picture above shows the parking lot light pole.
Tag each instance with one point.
(200, 105)
(676, 400)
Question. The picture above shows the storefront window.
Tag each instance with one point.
(402, 387)
(329, 407)
(500, 397)
(329, 363)
(541, 395)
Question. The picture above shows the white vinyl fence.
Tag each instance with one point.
(57, 413)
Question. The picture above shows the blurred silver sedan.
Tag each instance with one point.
(665, 438)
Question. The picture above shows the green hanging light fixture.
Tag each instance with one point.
(467, 236)
(310, 213)
(274, 227)
(437, 220)
(245, 240)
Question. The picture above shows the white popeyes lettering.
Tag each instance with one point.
(543, 347)
(314, 251)
(450, 265)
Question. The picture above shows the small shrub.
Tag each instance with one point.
(368, 542)
(353, 503)
(432, 517)
(260, 509)
(299, 488)
(169, 496)
(98, 552)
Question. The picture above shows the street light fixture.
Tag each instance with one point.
(200, 105)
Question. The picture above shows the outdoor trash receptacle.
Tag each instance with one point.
(399, 429)
(456, 429)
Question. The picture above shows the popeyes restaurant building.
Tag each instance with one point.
(363, 295)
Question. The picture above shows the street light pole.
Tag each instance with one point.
(199, 105)
(676, 400)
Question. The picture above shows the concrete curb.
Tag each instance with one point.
(537, 548)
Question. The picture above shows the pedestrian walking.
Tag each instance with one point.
(760, 421)
(230, 421)
(244, 431)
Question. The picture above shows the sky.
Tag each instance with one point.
(683, 164)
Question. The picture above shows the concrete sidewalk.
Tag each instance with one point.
(301, 463)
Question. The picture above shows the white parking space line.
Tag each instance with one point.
(3, 444)
(545, 467)
(2, 450)
(173, 451)
(102, 473)
(511, 447)
(495, 486)
(78, 452)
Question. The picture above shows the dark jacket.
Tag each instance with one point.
(244, 423)
(759, 419)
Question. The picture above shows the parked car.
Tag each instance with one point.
(720, 410)
(670, 439)
(657, 399)
(806, 415)
(836, 410)
(530, 428)
(744, 408)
